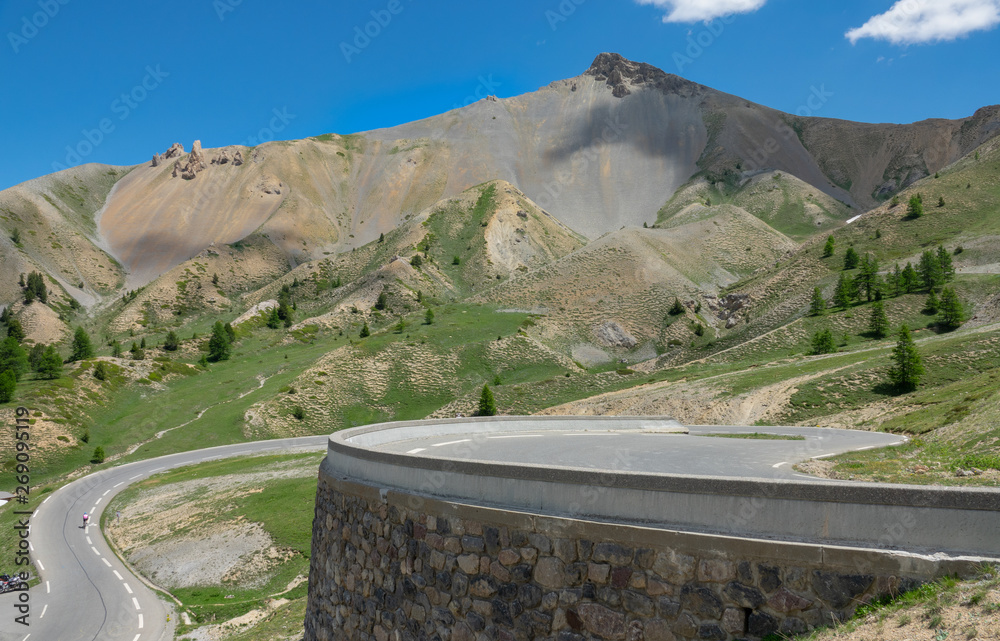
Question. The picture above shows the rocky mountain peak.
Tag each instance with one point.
(622, 74)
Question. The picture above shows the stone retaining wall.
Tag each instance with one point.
(391, 565)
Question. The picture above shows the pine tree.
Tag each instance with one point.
(822, 342)
(116, 349)
(101, 371)
(215, 279)
(818, 306)
(906, 369)
(15, 330)
(842, 295)
(911, 280)
(51, 365)
(274, 319)
(5, 315)
(950, 307)
(677, 308)
(82, 348)
(13, 358)
(941, 201)
(35, 356)
(99, 455)
(930, 270)
(429, 316)
(916, 207)
(219, 347)
(171, 343)
(230, 332)
(36, 285)
(383, 301)
(851, 258)
(138, 354)
(878, 323)
(8, 385)
(944, 262)
(867, 278)
(896, 281)
(932, 305)
(487, 404)
(365, 332)
(829, 248)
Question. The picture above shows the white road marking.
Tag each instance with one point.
(804, 476)
(417, 451)
(157, 469)
(590, 434)
(48, 590)
(31, 546)
(870, 447)
(105, 492)
(464, 440)
(128, 589)
(99, 500)
(777, 465)
(95, 550)
(825, 455)
(39, 564)
(136, 602)
(118, 575)
(44, 608)
(117, 484)
(46, 499)
(89, 542)
(26, 637)
(135, 477)
(35, 513)
(140, 625)
(106, 562)
(94, 509)
(516, 436)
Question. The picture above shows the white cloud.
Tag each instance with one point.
(703, 10)
(919, 21)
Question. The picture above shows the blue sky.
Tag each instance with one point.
(116, 81)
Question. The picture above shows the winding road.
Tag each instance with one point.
(87, 594)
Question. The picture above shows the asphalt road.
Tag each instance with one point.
(86, 593)
(693, 453)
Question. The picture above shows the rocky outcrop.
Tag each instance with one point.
(176, 151)
(728, 307)
(622, 74)
(614, 335)
(227, 155)
(195, 163)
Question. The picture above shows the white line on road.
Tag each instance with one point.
(119, 576)
(140, 625)
(46, 607)
(89, 542)
(95, 550)
(31, 546)
(135, 477)
(825, 455)
(516, 436)
(98, 501)
(105, 492)
(157, 469)
(464, 440)
(777, 465)
(48, 590)
(26, 637)
(46, 499)
(870, 447)
(417, 451)
(136, 602)
(117, 484)
(39, 564)
(106, 562)
(94, 509)
(590, 434)
(128, 589)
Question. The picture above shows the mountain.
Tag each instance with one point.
(601, 151)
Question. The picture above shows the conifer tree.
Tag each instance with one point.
(878, 323)
(822, 342)
(677, 308)
(429, 316)
(945, 264)
(867, 278)
(51, 365)
(81, 348)
(829, 248)
(15, 330)
(171, 343)
(487, 404)
(930, 270)
(906, 369)
(365, 332)
(818, 306)
(950, 308)
(13, 358)
(842, 295)
(219, 348)
(932, 305)
(851, 258)
(911, 280)
(916, 207)
(8, 385)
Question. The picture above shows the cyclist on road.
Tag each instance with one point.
(86, 517)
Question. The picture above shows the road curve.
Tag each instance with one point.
(86, 593)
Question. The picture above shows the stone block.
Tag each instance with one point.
(716, 571)
(508, 557)
(499, 572)
(469, 563)
(711, 632)
(550, 572)
(674, 567)
(840, 590)
(602, 621)
(761, 624)
(658, 630)
(785, 601)
(620, 577)
(598, 572)
(637, 603)
(701, 601)
(734, 621)
(685, 627)
(770, 577)
(743, 595)
(613, 553)
(483, 587)
(540, 542)
(473, 543)
(564, 549)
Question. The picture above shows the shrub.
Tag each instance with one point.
(101, 371)
(98, 455)
(299, 413)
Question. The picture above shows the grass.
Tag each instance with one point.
(284, 509)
